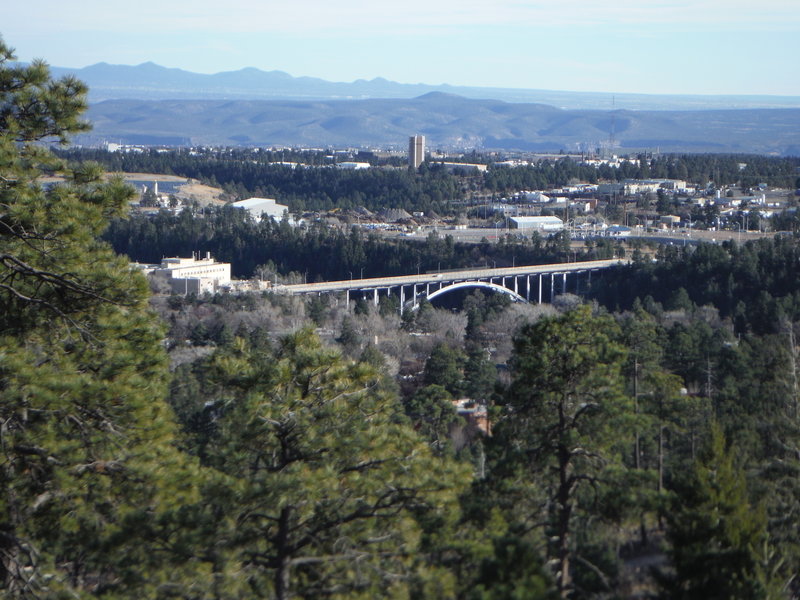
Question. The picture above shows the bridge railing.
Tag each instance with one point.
(445, 276)
(517, 281)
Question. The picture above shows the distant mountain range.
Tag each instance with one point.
(149, 81)
(150, 104)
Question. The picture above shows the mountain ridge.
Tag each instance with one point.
(150, 81)
(447, 120)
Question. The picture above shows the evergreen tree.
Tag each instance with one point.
(88, 467)
(513, 572)
(718, 540)
(444, 367)
(432, 413)
(329, 480)
(563, 422)
(480, 374)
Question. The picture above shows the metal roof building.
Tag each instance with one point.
(258, 207)
(537, 223)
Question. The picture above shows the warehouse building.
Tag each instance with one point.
(260, 207)
(545, 224)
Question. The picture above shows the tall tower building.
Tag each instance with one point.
(416, 150)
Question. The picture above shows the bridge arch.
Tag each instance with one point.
(475, 284)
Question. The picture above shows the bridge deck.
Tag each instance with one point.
(446, 276)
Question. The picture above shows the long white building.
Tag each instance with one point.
(537, 223)
(259, 207)
(194, 275)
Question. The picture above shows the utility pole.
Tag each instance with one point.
(793, 368)
(636, 449)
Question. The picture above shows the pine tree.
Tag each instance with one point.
(717, 539)
(564, 419)
(87, 463)
(329, 478)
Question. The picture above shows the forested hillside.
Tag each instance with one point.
(447, 120)
(755, 285)
(246, 172)
(323, 253)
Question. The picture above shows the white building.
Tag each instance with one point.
(194, 275)
(671, 220)
(353, 166)
(608, 189)
(258, 207)
(618, 231)
(641, 186)
(466, 167)
(548, 224)
(535, 197)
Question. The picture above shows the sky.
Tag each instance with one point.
(740, 47)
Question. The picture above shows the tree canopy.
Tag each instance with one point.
(86, 438)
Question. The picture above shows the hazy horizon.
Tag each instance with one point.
(420, 83)
(675, 47)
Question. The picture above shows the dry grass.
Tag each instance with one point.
(204, 194)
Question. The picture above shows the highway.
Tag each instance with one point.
(444, 276)
(674, 236)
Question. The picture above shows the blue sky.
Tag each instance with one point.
(637, 46)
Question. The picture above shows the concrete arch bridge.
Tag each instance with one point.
(531, 283)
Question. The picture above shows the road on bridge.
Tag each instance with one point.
(445, 276)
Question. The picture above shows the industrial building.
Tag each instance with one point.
(630, 187)
(547, 224)
(258, 207)
(194, 275)
(416, 150)
(466, 167)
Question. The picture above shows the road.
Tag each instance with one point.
(475, 235)
(444, 276)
